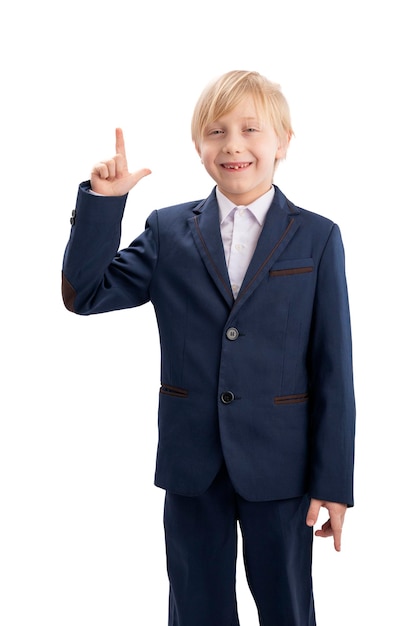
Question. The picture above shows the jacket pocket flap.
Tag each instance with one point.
(292, 266)
(177, 392)
(292, 399)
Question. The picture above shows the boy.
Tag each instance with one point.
(256, 410)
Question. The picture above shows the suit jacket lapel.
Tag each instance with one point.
(279, 228)
(205, 227)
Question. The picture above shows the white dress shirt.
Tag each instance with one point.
(240, 227)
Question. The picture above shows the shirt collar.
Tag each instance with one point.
(258, 208)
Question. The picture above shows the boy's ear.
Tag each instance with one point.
(283, 147)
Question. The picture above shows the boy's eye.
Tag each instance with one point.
(219, 131)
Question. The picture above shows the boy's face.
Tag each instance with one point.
(239, 152)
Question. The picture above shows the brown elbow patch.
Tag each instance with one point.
(68, 294)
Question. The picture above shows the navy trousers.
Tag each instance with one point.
(201, 546)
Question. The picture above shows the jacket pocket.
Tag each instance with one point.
(176, 392)
(292, 399)
(292, 267)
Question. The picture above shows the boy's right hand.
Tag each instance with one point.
(112, 177)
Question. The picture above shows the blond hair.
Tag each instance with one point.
(224, 94)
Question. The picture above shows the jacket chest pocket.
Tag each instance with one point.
(292, 267)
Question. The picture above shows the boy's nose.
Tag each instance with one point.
(232, 145)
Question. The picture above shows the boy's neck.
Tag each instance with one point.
(270, 191)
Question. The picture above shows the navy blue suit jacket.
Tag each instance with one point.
(263, 382)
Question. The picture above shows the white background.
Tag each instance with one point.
(79, 395)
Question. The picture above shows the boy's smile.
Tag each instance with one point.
(239, 151)
(235, 166)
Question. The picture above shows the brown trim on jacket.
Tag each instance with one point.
(177, 392)
(290, 271)
(293, 399)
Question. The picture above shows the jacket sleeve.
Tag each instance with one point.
(332, 392)
(96, 276)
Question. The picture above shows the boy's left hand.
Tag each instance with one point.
(333, 526)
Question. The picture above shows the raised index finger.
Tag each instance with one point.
(120, 143)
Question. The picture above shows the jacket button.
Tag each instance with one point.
(227, 397)
(232, 333)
